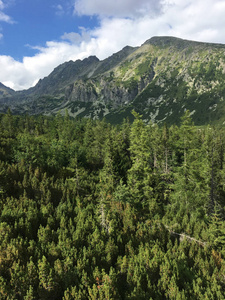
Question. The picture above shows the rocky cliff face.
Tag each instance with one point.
(160, 79)
(5, 91)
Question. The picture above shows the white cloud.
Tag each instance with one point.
(117, 8)
(197, 20)
(1, 5)
(59, 10)
(3, 16)
(77, 38)
(121, 23)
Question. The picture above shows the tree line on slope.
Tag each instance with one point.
(94, 211)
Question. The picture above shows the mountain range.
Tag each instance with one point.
(160, 80)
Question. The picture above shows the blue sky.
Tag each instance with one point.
(33, 22)
(38, 35)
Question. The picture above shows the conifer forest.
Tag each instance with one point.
(90, 210)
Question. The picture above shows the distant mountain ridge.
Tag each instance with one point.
(160, 80)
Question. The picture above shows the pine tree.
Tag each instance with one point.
(139, 175)
(30, 294)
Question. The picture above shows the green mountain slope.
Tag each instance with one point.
(160, 80)
(5, 91)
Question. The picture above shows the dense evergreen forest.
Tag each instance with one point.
(94, 211)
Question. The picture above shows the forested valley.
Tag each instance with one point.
(90, 210)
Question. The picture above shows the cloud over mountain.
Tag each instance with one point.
(121, 23)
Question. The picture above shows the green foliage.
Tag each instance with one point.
(94, 211)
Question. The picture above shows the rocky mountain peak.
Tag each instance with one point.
(160, 79)
(180, 44)
(5, 91)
